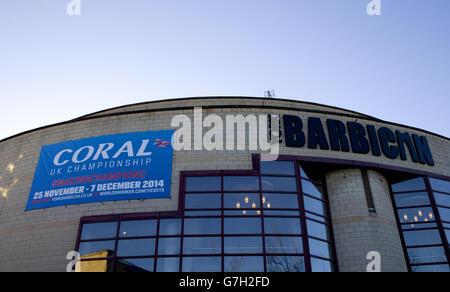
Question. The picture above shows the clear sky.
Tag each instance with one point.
(55, 67)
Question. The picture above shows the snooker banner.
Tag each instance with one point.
(130, 166)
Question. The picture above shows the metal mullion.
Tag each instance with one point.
(301, 205)
(424, 246)
(438, 219)
(414, 207)
(312, 181)
(318, 199)
(409, 192)
(420, 229)
(156, 245)
(116, 244)
(262, 219)
(222, 223)
(321, 239)
(441, 192)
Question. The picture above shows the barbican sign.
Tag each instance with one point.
(354, 137)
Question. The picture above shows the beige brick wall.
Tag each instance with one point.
(39, 240)
(357, 231)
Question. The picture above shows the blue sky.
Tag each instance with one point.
(54, 67)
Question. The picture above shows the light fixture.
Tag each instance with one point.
(246, 200)
(431, 215)
(258, 212)
(416, 219)
(253, 205)
(405, 217)
(238, 205)
(264, 200)
(244, 212)
(268, 205)
(420, 213)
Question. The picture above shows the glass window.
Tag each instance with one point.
(135, 265)
(199, 226)
(138, 228)
(427, 255)
(412, 199)
(203, 184)
(283, 264)
(420, 225)
(241, 183)
(442, 200)
(445, 214)
(303, 173)
(88, 248)
(320, 248)
(244, 245)
(422, 237)
(318, 230)
(241, 264)
(169, 246)
(416, 215)
(99, 230)
(315, 206)
(280, 201)
(312, 189)
(202, 264)
(440, 185)
(242, 226)
(202, 245)
(432, 268)
(168, 265)
(447, 234)
(278, 167)
(202, 213)
(416, 184)
(284, 245)
(170, 227)
(203, 201)
(279, 184)
(268, 212)
(321, 266)
(136, 247)
(242, 201)
(282, 226)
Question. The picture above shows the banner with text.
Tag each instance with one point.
(128, 166)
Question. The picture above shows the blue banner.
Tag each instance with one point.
(128, 166)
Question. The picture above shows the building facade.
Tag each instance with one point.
(348, 192)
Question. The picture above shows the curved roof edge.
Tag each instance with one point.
(103, 113)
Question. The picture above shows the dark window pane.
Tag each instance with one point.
(88, 248)
(202, 201)
(429, 269)
(422, 237)
(280, 201)
(441, 199)
(202, 245)
(253, 212)
(134, 265)
(202, 213)
(242, 226)
(312, 189)
(202, 264)
(278, 167)
(168, 265)
(415, 184)
(285, 264)
(321, 266)
(284, 245)
(318, 230)
(427, 255)
(412, 199)
(136, 247)
(280, 213)
(318, 218)
(99, 230)
(315, 206)
(203, 184)
(202, 226)
(243, 264)
(282, 226)
(418, 226)
(445, 214)
(440, 185)
(242, 201)
(320, 248)
(416, 215)
(245, 245)
(138, 228)
(168, 246)
(241, 183)
(279, 184)
(170, 227)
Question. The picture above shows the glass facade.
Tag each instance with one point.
(423, 212)
(276, 220)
